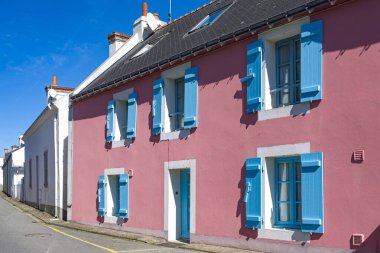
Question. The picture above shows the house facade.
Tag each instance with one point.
(46, 145)
(1, 173)
(13, 172)
(244, 123)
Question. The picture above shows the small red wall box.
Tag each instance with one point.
(357, 239)
(358, 155)
(130, 173)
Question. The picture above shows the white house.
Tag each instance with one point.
(1, 173)
(46, 142)
(13, 172)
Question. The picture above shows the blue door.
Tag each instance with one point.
(185, 203)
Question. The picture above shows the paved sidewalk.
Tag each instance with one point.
(48, 219)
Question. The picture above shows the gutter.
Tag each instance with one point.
(221, 41)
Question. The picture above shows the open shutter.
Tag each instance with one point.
(132, 113)
(110, 120)
(158, 92)
(312, 192)
(253, 78)
(124, 195)
(191, 98)
(101, 196)
(252, 197)
(311, 61)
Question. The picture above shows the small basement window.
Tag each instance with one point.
(209, 19)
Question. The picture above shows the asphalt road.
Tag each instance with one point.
(20, 233)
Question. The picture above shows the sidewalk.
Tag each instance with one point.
(48, 219)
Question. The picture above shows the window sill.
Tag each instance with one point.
(283, 234)
(285, 111)
(175, 135)
(121, 143)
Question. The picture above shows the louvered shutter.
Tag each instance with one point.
(311, 61)
(252, 197)
(132, 115)
(101, 196)
(191, 98)
(110, 120)
(124, 195)
(158, 92)
(312, 192)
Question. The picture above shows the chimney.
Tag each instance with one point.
(156, 16)
(146, 24)
(145, 9)
(5, 152)
(14, 147)
(115, 41)
(54, 81)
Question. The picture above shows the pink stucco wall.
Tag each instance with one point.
(345, 120)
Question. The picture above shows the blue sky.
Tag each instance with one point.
(69, 38)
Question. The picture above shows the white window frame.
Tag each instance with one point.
(269, 39)
(268, 154)
(169, 77)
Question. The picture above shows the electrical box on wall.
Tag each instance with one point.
(358, 156)
(130, 173)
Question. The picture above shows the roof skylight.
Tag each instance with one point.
(209, 19)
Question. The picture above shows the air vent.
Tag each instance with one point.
(357, 239)
(358, 156)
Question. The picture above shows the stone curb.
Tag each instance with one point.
(48, 219)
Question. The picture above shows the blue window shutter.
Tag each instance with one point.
(253, 78)
(252, 197)
(124, 195)
(311, 61)
(312, 192)
(132, 115)
(158, 93)
(101, 196)
(191, 98)
(110, 120)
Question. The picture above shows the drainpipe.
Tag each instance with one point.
(56, 165)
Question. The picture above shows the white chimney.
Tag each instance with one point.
(147, 23)
(115, 41)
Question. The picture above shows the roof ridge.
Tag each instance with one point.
(187, 14)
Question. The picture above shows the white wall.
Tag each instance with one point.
(49, 133)
(1, 172)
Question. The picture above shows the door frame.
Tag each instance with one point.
(170, 220)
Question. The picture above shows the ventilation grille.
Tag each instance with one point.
(358, 155)
(357, 239)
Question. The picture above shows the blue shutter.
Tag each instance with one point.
(191, 98)
(312, 192)
(252, 198)
(253, 78)
(311, 61)
(132, 115)
(110, 120)
(101, 196)
(158, 92)
(124, 195)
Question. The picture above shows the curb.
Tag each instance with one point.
(45, 218)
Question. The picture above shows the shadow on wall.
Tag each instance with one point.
(358, 18)
(240, 210)
(370, 244)
(246, 118)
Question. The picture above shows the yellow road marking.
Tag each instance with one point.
(65, 234)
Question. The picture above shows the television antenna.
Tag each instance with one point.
(170, 10)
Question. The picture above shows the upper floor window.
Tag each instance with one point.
(177, 115)
(210, 18)
(288, 67)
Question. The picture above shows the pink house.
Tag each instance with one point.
(245, 123)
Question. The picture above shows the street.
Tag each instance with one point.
(21, 232)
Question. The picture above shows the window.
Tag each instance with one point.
(113, 195)
(288, 69)
(284, 70)
(46, 168)
(288, 192)
(30, 173)
(177, 115)
(121, 116)
(175, 102)
(209, 19)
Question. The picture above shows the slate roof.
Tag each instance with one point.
(240, 17)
